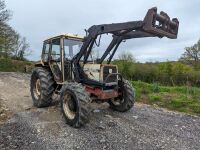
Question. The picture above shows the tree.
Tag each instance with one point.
(125, 64)
(165, 72)
(6, 32)
(127, 57)
(4, 13)
(11, 43)
(7, 40)
(22, 48)
(191, 54)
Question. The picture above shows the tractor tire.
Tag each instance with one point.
(75, 104)
(42, 87)
(126, 101)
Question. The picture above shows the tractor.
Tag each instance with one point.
(66, 67)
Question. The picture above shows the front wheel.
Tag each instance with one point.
(126, 100)
(75, 103)
(42, 87)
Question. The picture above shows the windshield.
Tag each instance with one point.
(71, 47)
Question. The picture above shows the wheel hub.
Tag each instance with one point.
(69, 106)
(37, 88)
(117, 101)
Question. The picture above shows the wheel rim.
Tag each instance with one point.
(69, 106)
(118, 101)
(37, 89)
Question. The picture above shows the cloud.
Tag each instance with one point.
(37, 20)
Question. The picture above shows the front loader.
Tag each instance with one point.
(66, 68)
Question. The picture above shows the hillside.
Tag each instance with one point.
(11, 65)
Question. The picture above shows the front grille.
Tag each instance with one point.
(109, 70)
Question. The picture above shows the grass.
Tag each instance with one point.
(154, 98)
(195, 107)
(10, 65)
(178, 98)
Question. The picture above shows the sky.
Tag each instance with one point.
(41, 19)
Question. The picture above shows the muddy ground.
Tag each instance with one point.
(144, 127)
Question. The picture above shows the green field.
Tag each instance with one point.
(10, 65)
(179, 98)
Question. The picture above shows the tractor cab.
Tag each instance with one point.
(58, 53)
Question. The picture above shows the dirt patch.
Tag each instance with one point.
(14, 89)
(4, 112)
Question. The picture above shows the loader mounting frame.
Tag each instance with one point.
(153, 25)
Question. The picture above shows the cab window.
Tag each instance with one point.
(55, 50)
(46, 51)
(71, 47)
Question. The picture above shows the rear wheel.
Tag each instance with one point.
(75, 103)
(126, 101)
(42, 87)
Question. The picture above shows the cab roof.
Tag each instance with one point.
(66, 35)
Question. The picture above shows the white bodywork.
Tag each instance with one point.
(95, 71)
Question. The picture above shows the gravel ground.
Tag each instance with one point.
(143, 127)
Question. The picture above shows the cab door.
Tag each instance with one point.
(45, 53)
(55, 59)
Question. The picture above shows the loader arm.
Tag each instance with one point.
(153, 25)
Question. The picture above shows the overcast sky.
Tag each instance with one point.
(40, 19)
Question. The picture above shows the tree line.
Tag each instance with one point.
(186, 71)
(12, 44)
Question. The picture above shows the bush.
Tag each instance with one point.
(165, 73)
(156, 88)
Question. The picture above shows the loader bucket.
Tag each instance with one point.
(160, 24)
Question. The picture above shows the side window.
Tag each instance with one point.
(55, 52)
(46, 51)
(71, 48)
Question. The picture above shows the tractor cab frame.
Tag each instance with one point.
(58, 53)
